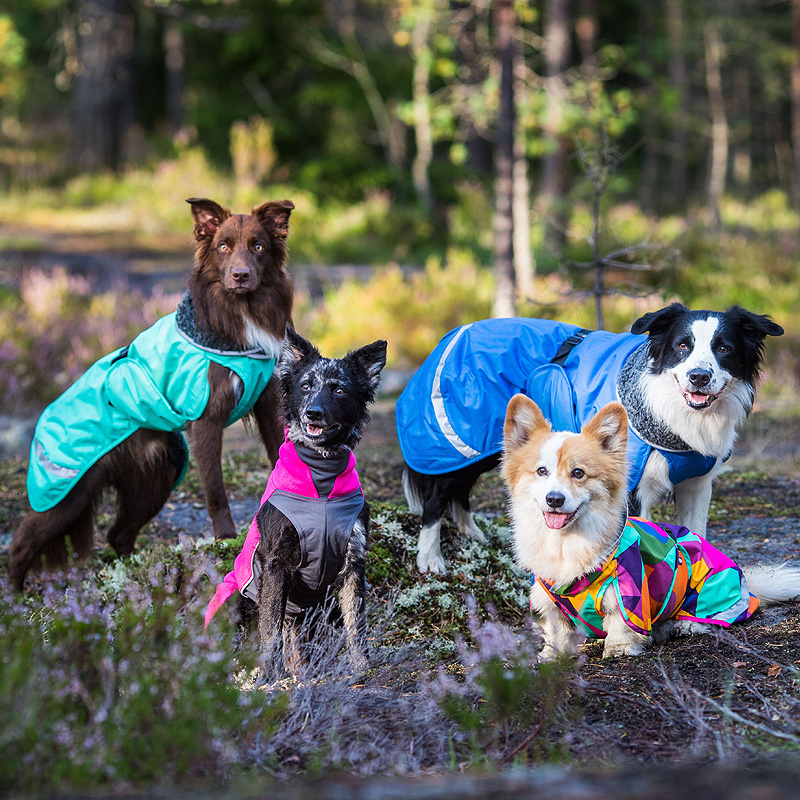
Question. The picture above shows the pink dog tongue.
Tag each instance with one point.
(553, 520)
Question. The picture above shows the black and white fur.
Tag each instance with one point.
(696, 386)
(324, 403)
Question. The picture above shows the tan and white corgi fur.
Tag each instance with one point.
(568, 507)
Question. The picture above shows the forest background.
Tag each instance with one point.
(588, 160)
(448, 160)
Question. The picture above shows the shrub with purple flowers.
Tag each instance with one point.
(56, 325)
(510, 705)
(103, 686)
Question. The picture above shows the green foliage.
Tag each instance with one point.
(109, 681)
(506, 692)
(412, 312)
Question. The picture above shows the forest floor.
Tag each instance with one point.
(729, 699)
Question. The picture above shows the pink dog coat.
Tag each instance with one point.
(323, 504)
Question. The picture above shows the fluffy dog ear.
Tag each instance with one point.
(523, 417)
(610, 426)
(756, 325)
(370, 359)
(208, 216)
(656, 321)
(274, 216)
(295, 349)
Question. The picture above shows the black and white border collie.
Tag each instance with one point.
(694, 383)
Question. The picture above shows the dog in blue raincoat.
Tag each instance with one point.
(198, 370)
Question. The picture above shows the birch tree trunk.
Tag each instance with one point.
(554, 181)
(524, 263)
(504, 299)
(719, 121)
(423, 129)
(679, 79)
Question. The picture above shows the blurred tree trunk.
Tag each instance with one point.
(524, 264)
(719, 121)
(587, 29)
(647, 184)
(174, 59)
(554, 165)
(103, 105)
(796, 100)
(504, 299)
(678, 76)
(423, 128)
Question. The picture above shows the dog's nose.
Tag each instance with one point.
(700, 377)
(315, 413)
(555, 499)
(240, 274)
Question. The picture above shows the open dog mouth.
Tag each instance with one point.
(558, 519)
(313, 431)
(698, 400)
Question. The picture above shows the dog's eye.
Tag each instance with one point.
(683, 346)
(723, 348)
(258, 247)
(338, 390)
(542, 471)
(578, 473)
(305, 386)
(223, 246)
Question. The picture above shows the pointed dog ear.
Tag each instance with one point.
(523, 418)
(208, 216)
(274, 216)
(656, 321)
(610, 426)
(370, 359)
(295, 349)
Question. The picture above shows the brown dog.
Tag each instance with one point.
(199, 369)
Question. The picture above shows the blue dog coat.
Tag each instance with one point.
(159, 382)
(451, 414)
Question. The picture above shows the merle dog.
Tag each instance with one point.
(307, 544)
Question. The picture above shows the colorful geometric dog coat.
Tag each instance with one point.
(159, 381)
(322, 498)
(451, 413)
(658, 572)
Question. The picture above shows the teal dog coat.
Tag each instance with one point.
(159, 382)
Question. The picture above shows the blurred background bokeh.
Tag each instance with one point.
(587, 160)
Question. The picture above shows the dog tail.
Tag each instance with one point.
(773, 583)
(411, 491)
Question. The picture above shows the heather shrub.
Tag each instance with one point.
(57, 325)
(506, 692)
(111, 679)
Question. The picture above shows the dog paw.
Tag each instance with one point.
(431, 563)
(618, 649)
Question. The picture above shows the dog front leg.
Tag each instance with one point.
(352, 599)
(692, 500)
(206, 441)
(272, 595)
(268, 420)
(621, 639)
(653, 485)
(560, 636)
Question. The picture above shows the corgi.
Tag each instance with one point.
(598, 572)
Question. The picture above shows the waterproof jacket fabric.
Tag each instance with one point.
(322, 500)
(159, 382)
(658, 572)
(451, 413)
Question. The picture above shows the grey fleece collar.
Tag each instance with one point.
(207, 340)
